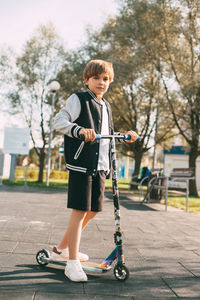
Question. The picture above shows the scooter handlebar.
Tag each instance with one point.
(121, 136)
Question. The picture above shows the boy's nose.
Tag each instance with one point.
(101, 80)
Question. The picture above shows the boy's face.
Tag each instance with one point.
(98, 84)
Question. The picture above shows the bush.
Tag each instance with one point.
(33, 173)
(55, 174)
(19, 172)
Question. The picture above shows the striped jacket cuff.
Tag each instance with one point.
(75, 131)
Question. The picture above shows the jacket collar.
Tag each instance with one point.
(94, 96)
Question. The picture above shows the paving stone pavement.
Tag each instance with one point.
(162, 250)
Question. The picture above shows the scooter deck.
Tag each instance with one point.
(86, 265)
(93, 266)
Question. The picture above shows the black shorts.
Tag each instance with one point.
(86, 192)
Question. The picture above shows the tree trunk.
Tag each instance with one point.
(192, 164)
(138, 160)
(41, 165)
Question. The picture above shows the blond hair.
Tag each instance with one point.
(98, 66)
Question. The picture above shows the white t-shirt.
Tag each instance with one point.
(103, 162)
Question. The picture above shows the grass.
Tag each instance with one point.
(53, 183)
(123, 184)
(175, 201)
(180, 203)
(62, 183)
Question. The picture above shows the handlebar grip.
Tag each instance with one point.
(82, 137)
(127, 137)
(98, 137)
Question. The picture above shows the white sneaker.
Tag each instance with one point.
(63, 255)
(74, 271)
(83, 257)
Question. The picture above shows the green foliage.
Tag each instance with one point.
(180, 203)
(19, 172)
(132, 42)
(145, 41)
(56, 184)
(37, 65)
(33, 174)
(55, 174)
(63, 183)
(33, 157)
(154, 46)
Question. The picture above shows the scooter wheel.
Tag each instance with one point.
(121, 272)
(40, 255)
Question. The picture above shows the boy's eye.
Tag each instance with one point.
(106, 78)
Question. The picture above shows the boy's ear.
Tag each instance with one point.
(86, 81)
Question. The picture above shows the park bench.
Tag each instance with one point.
(177, 182)
(139, 183)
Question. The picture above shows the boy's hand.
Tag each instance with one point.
(89, 134)
(133, 135)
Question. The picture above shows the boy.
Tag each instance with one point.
(87, 114)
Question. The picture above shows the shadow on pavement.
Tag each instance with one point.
(135, 206)
(130, 204)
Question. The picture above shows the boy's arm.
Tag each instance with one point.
(64, 120)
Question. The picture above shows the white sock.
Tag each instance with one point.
(71, 261)
(58, 249)
(61, 250)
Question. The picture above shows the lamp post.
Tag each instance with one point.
(156, 119)
(53, 88)
(155, 138)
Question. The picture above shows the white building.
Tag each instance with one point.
(5, 160)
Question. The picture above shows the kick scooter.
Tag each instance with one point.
(121, 272)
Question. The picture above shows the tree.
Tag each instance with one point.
(39, 63)
(7, 69)
(129, 41)
(145, 42)
(165, 34)
(184, 66)
(134, 94)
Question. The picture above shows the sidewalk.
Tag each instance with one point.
(162, 250)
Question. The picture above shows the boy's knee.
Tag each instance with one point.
(79, 213)
(92, 214)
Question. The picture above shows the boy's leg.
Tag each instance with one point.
(73, 269)
(93, 190)
(73, 234)
(88, 216)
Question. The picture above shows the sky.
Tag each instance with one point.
(20, 18)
